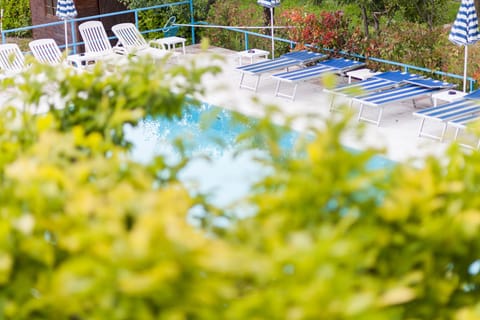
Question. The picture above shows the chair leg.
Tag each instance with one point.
(421, 127)
(444, 130)
(379, 118)
(360, 112)
(331, 103)
(294, 91)
(241, 79)
(457, 131)
(277, 88)
(256, 83)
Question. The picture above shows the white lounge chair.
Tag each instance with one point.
(130, 39)
(412, 89)
(97, 44)
(12, 60)
(46, 51)
(291, 59)
(337, 65)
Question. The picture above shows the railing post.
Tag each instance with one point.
(74, 36)
(192, 21)
(246, 41)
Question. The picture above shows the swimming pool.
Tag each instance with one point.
(210, 135)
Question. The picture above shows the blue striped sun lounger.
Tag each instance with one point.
(458, 114)
(461, 124)
(338, 65)
(291, 59)
(382, 81)
(411, 89)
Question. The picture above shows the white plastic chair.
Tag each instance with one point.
(46, 51)
(11, 58)
(130, 38)
(96, 40)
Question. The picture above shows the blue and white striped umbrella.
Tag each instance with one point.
(270, 4)
(66, 10)
(464, 31)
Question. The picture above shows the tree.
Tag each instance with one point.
(431, 12)
(372, 11)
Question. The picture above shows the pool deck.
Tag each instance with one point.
(397, 133)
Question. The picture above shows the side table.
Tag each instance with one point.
(448, 96)
(81, 60)
(360, 74)
(170, 43)
(252, 54)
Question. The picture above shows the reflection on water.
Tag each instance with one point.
(209, 135)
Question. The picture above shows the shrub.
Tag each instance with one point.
(327, 30)
(87, 233)
(16, 15)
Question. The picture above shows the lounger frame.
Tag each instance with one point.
(291, 59)
(338, 66)
(445, 114)
(412, 89)
(378, 82)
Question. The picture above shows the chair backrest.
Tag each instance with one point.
(129, 36)
(95, 37)
(46, 51)
(11, 58)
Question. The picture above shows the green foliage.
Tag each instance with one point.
(150, 20)
(89, 234)
(16, 14)
(230, 13)
(327, 30)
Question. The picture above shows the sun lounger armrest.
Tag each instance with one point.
(118, 48)
(157, 44)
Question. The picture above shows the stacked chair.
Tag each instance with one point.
(12, 60)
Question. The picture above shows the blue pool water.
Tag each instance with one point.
(210, 135)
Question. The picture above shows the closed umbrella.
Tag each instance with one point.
(464, 31)
(270, 4)
(66, 10)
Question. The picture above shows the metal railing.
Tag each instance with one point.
(193, 24)
(71, 22)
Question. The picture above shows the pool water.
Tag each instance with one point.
(209, 135)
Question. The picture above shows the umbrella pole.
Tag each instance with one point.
(66, 37)
(273, 41)
(465, 70)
